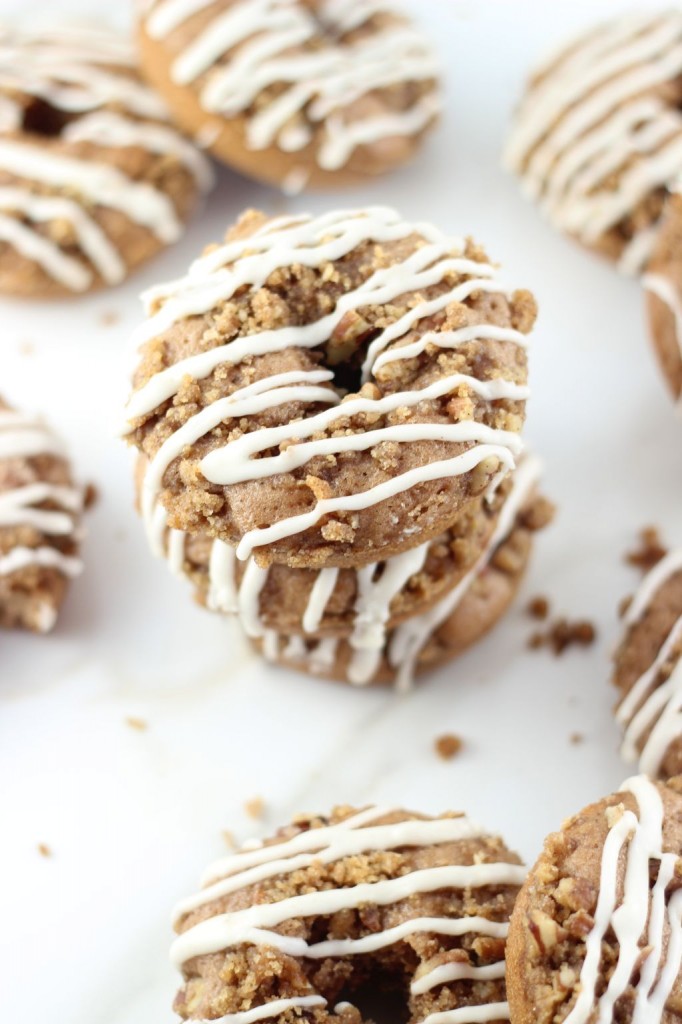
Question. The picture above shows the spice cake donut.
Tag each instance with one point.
(298, 927)
(321, 93)
(93, 178)
(596, 933)
(648, 672)
(329, 391)
(597, 138)
(40, 509)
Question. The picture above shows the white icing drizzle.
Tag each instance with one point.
(649, 708)
(646, 923)
(80, 72)
(470, 1014)
(23, 438)
(311, 242)
(595, 114)
(356, 835)
(321, 82)
(272, 1009)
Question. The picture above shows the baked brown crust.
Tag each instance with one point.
(226, 132)
(245, 976)
(94, 180)
(301, 295)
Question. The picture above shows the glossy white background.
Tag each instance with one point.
(131, 817)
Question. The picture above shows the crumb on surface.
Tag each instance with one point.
(576, 738)
(44, 850)
(562, 634)
(90, 496)
(109, 317)
(228, 839)
(447, 746)
(650, 550)
(136, 723)
(538, 607)
(255, 807)
(26, 347)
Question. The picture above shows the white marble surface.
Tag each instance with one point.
(131, 817)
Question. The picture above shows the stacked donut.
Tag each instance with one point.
(328, 414)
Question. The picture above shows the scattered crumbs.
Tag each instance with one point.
(90, 496)
(538, 608)
(255, 808)
(137, 723)
(26, 348)
(228, 839)
(649, 552)
(576, 738)
(109, 317)
(447, 746)
(563, 634)
(44, 850)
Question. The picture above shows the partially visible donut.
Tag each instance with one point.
(93, 178)
(329, 391)
(40, 511)
(663, 284)
(303, 927)
(648, 672)
(320, 93)
(596, 933)
(597, 138)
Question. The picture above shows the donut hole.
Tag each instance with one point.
(347, 377)
(41, 118)
(378, 999)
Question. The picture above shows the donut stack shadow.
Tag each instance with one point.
(328, 414)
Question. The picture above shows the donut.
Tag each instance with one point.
(305, 926)
(597, 138)
(596, 933)
(297, 93)
(93, 178)
(648, 672)
(40, 513)
(663, 284)
(383, 621)
(329, 391)
(430, 638)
